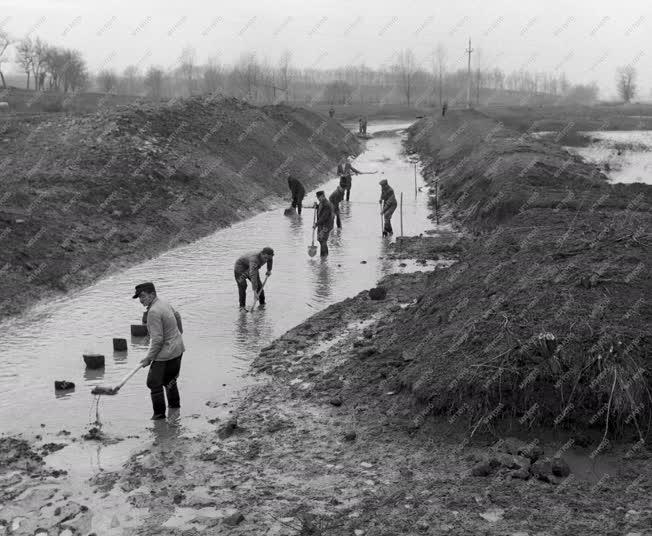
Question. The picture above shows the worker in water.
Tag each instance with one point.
(335, 199)
(444, 107)
(344, 170)
(165, 350)
(298, 192)
(331, 112)
(388, 206)
(364, 125)
(360, 125)
(246, 267)
(324, 221)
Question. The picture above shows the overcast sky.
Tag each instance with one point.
(587, 40)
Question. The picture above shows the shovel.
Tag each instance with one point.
(257, 295)
(312, 249)
(103, 390)
(382, 223)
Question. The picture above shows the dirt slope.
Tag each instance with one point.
(84, 195)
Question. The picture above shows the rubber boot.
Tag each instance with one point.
(158, 404)
(172, 393)
(323, 249)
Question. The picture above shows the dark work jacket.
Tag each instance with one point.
(387, 195)
(336, 197)
(248, 266)
(346, 170)
(297, 189)
(325, 214)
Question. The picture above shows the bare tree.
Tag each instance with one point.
(248, 74)
(74, 72)
(285, 72)
(130, 78)
(626, 82)
(406, 67)
(212, 75)
(24, 57)
(154, 82)
(5, 41)
(39, 55)
(107, 80)
(187, 62)
(440, 55)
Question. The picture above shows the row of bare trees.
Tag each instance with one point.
(45, 66)
(430, 80)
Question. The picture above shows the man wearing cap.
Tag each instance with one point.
(344, 170)
(388, 206)
(298, 192)
(246, 267)
(324, 222)
(335, 199)
(165, 349)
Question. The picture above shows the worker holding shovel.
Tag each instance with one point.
(165, 349)
(335, 199)
(247, 267)
(388, 206)
(323, 222)
(344, 170)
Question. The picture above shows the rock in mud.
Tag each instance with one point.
(228, 428)
(482, 469)
(336, 401)
(550, 470)
(367, 351)
(94, 434)
(234, 519)
(350, 435)
(378, 293)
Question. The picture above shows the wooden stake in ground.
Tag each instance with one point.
(401, 214)
(415, 180)
(437, 201)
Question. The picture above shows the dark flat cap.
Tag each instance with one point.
(147, 287)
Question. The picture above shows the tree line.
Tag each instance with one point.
(403, 79)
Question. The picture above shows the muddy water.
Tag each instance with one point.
(624, 156)
(197, 279)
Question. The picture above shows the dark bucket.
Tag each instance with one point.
(119, 345)
(63, 385)
(94, 361)
(138, 330)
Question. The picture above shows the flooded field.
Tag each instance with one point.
(624, 156)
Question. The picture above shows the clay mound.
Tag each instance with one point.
(542, 318)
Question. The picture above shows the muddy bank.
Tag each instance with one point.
(86, 195)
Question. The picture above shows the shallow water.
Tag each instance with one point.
(197, 279)
(633, 164)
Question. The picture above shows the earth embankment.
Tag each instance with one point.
(85, 195)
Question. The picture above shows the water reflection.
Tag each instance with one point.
(120, 357)
(91, 375)
(323, 279)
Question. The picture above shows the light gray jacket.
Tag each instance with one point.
(164, 326)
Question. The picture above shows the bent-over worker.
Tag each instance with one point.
(165, 349)
(335, 199)
(247, 267)
(298, 192)
(344, 170)
(388, 204)
(324, 223)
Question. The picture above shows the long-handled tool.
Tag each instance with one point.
(104, 390)
(368, 172)
(382, 222)
(257, 294)
(312, 249)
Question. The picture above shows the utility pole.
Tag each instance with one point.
(468, 87)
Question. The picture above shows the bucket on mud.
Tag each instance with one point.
(94, 361)
(139, 330)
(119, 345)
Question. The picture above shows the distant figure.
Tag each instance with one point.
(388, 204)
(165, 349)
(247, 267)
(324, 223)
(360, 126)
(444, 107)
(364, 126)
(298, 192)
(335, 199)
(331, 112)
(344, 170)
